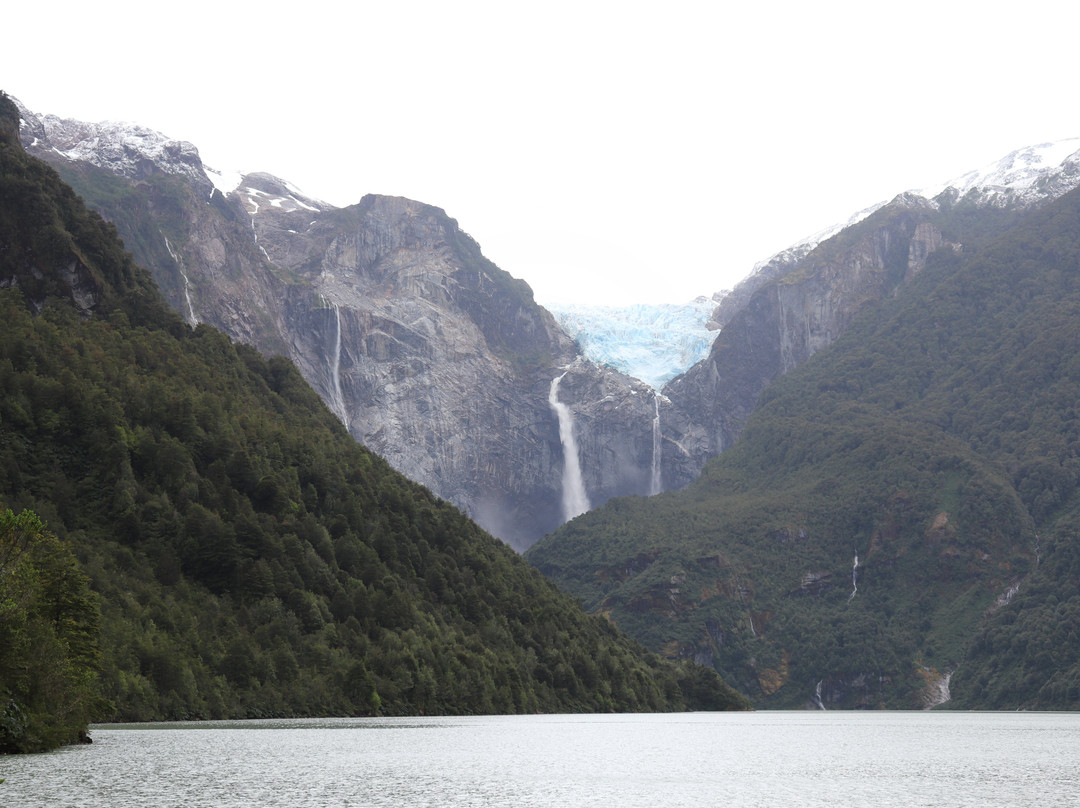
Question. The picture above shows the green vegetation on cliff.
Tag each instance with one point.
(245, 556)
(884, 502)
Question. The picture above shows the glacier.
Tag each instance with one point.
(651, 342)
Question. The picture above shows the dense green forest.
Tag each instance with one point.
(49, 646)
(901, 507)
(192, 534)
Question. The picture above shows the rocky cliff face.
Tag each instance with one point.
(429, 354)
(803, 307)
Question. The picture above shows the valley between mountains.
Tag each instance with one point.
(864, 495)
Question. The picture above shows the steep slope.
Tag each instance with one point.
(430, 354)
(805, 297)
(865, 533)
(250, 558)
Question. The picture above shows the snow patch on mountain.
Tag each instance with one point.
(651, 342)
(225, 181)
(256, 199)
(262, 191)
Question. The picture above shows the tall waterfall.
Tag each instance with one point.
(338, 404)
(574, 499)
(657, 447)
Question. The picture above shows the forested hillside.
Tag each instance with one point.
(901, 507)
(245, 556)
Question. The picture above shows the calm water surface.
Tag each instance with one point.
(623, 761)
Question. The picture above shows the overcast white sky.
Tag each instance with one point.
(602, 151)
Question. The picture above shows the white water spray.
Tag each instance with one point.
(192, 319)
(657, 448)
(940, 692)
(335, 373)
(575, 500)
(854, 577)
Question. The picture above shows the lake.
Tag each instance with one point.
(569, 761)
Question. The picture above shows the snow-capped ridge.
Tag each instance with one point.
(130, 149)
(1019, 170)
(1024, 176)
(124, 148)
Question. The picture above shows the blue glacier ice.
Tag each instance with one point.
(651, 342)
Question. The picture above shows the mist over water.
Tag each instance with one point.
(807, 759)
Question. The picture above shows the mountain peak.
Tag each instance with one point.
(1025, 177)
(124, 148)
(1029, 169)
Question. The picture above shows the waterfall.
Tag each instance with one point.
(817, 696)
(939, 692)
(192, 319)
(854, 577)
(338, 403)
(743, 591)
(944, 693)
(657, 447)
(575, 500)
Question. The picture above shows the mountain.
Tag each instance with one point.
(443, 363)
(430, 355)
(199, 537)
(650, 342)
(805, 297)
(891, 522)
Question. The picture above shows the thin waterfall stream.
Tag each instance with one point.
(657, 448)
(854, 577)
(192, 319)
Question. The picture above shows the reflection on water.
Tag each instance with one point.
(698, 759)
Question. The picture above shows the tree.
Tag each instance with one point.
(49, 654)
